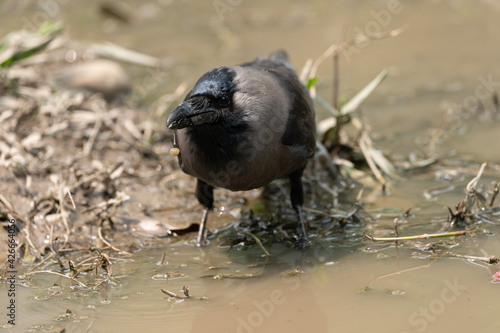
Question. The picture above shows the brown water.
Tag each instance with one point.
(445, 56)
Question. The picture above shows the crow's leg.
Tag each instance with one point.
(297, 198)
(205, 195)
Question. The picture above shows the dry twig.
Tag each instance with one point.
(423, 236)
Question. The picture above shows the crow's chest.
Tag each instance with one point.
(237, 163)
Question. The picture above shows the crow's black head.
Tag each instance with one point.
(210, 99)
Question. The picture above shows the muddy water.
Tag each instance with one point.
(448, 54)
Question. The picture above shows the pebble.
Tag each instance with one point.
(97, 76)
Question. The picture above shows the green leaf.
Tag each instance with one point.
(3, 46)
(49, 29)
(310, 83)
(23, 54)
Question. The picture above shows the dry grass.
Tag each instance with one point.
(65, 160)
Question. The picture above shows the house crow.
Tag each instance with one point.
(243, 126)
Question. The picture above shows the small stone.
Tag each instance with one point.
(397, 292)
(152, 227)
(99, 76)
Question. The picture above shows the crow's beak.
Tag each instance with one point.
(186, 116)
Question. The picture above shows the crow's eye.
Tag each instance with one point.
(224, 101)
